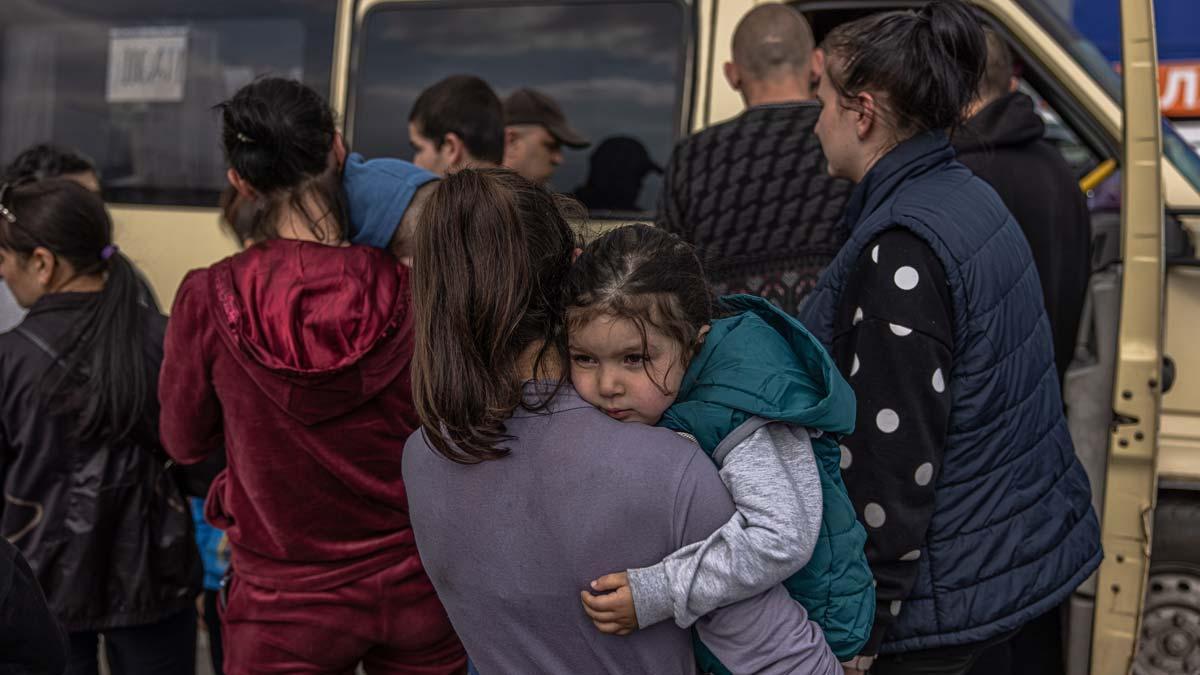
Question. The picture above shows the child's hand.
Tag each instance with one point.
(613, 611)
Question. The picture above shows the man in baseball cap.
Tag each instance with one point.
(535, 131)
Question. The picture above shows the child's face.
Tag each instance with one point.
(614, 372)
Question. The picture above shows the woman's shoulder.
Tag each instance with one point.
(300, 259)
(649, 448)
(951, 205)
(12, 348)
(193, 291)
(197, 279)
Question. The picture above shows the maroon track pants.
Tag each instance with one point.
(389, 624)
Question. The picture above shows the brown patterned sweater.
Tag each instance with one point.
(752, 194)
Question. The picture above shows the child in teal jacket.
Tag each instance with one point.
(761, 397)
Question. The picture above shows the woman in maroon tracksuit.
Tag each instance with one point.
(294, 356)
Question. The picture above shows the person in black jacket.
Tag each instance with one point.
(1003, 144)
(31, 641)
(752, 194)
(89, 499)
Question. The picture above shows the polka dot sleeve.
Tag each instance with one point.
(894, 342)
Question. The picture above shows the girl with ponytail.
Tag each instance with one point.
(294, 357)
(88, 498)
(978, 513)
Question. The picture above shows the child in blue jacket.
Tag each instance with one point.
(214, 552)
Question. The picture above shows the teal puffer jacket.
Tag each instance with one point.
(761, 363)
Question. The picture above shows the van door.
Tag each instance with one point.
(1131, 484)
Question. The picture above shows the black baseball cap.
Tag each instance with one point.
(527, 106)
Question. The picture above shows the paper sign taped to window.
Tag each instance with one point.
(147, 65)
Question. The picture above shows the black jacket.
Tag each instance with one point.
(31, 642)
(1003, 145)
(754, 196)
(105, 528)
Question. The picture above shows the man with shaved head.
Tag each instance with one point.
(752, 193)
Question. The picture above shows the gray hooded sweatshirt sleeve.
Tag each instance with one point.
(772, 476)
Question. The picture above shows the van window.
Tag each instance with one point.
(617, 69)
(1081, 158)
(132, 83)
(1175, 147)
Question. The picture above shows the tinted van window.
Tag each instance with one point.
(131, 83)
(617, 70)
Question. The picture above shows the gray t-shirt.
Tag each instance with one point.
(510, 543)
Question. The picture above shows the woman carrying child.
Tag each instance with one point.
(521, 492)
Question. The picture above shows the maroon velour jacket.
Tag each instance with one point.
(295, 357)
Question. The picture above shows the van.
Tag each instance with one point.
(132, 84)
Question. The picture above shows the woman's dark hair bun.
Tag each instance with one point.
(958, 34)
(277, 133)
(928, 63)
(279, 136)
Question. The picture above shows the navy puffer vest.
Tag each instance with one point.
(1013, 531)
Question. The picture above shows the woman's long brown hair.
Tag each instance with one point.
(491, 260)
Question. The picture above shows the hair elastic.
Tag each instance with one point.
(4, 212)
(108, 251)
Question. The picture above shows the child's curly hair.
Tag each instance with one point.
(646, 275)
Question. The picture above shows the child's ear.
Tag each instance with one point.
(244, 189)
(703, 334)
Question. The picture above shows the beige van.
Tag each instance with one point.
(132, 83)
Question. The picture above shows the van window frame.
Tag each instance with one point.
(686, 90)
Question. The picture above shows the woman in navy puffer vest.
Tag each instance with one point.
(978, 513)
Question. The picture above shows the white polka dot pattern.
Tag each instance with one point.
(874, 515)
(906, 278)
(924, 474)
(895, 361)
(887, 420)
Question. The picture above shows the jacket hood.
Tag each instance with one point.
(1008, 121)
(320, 329)
(379, 191)
(762, 362)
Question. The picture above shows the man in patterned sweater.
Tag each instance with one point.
(752, 193)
